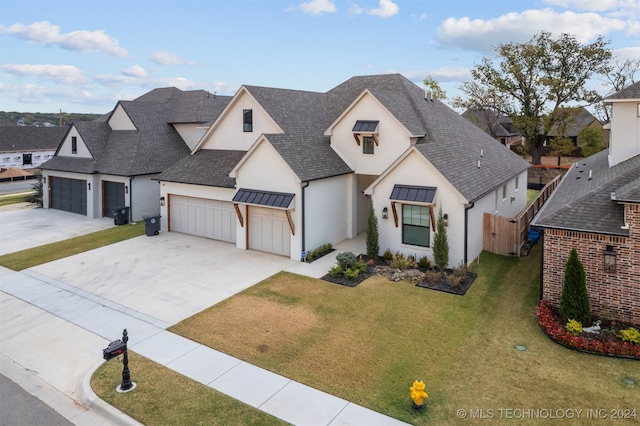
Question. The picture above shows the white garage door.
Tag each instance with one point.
(269, 231)
(202, 217)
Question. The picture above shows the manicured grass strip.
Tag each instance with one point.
(164, 397)
(13, 199)
(531, 195)
(49, 252)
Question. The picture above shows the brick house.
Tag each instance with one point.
(596, 210)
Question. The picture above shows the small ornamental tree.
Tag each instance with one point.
(373, 246)
(574, 302)
(36, 196)
(441, 244)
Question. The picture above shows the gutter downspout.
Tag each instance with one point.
(130, 198)
(466, 231)
(302, 234)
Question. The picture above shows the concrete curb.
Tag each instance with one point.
(89, 399)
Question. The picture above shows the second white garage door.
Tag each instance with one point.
(206, 218)
(269, 231)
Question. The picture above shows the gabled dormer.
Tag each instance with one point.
(120, 120)
(368, 136)
(73, 145)
(239, 125)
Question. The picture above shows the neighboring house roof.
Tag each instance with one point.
(196, 168)
(28, 138)
(577, 119)
(489, 119)
(629, 92)
(591, 204)
(153, 146)
(450, 142)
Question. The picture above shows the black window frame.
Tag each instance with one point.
(368, 142)
(247, 120)
(416, 227)
(74, 144)
(27, 159)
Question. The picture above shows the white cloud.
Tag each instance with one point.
(41, 95)
(67, 74)
(46, 34)
(386, 10)
(163, 57)
(135, 71)
(625, 53)
(481, 35)
(443, 74)
(593, 5)
(317, 7)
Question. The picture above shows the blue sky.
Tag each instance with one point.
(84, 56)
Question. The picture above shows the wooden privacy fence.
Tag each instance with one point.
(505, 235)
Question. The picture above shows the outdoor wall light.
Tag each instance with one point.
(609, 259)
(126, 189)
(44, 179)
(162, 201)
(385, 213)
(445, 219)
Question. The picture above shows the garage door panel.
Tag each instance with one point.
(269, 231)
(69, 194)
(205, 218)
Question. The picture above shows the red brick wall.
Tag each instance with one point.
(617, 292)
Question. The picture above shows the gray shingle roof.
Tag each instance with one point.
(450, 142)
(629, 92)
(206, 167)
(154, 145)
(577, 119)
(28, 138)
(583, 204)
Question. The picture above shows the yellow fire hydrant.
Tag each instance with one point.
(418, 394)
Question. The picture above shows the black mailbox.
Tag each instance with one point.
(115, 348)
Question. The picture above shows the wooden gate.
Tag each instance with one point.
(501, 235)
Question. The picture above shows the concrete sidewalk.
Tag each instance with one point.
(105, 320)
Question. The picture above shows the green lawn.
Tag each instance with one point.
(49, 252)
(5, 200)
(369, 343)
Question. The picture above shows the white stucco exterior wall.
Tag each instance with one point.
(328, 211)
(65, 147)
(227, 132)
(119, 120)
(625, 131)
(190, 133)
(145, 196)
(416, 170)
(393, 137)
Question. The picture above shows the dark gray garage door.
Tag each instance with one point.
(113, 197)
(69, 194)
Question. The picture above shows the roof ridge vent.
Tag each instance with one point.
(590, 174)
(428, 96)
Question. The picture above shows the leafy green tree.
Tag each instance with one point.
(434, 87)
(441, 244)
(372, 239)
(591, 141)
(574, 302)
(535, 78)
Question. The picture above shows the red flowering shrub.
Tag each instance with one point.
(553, 327)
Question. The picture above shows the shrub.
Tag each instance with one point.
(351, 273)
(361, 266)
(388, 255)
(346, 260)
(574, 302)
(630, 335)
(424, 262)
(573, 327)
(36, 196)
(399, 261)
(335, 271)
(441, 244)
(373, 246)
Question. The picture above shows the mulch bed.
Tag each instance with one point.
(442, 283)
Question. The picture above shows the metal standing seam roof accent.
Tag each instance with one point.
(263, 198)
(419, 194)
(366, 126)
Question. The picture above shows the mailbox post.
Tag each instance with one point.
(117, 348)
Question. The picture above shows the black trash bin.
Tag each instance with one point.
(121, 215)
(152, 224)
